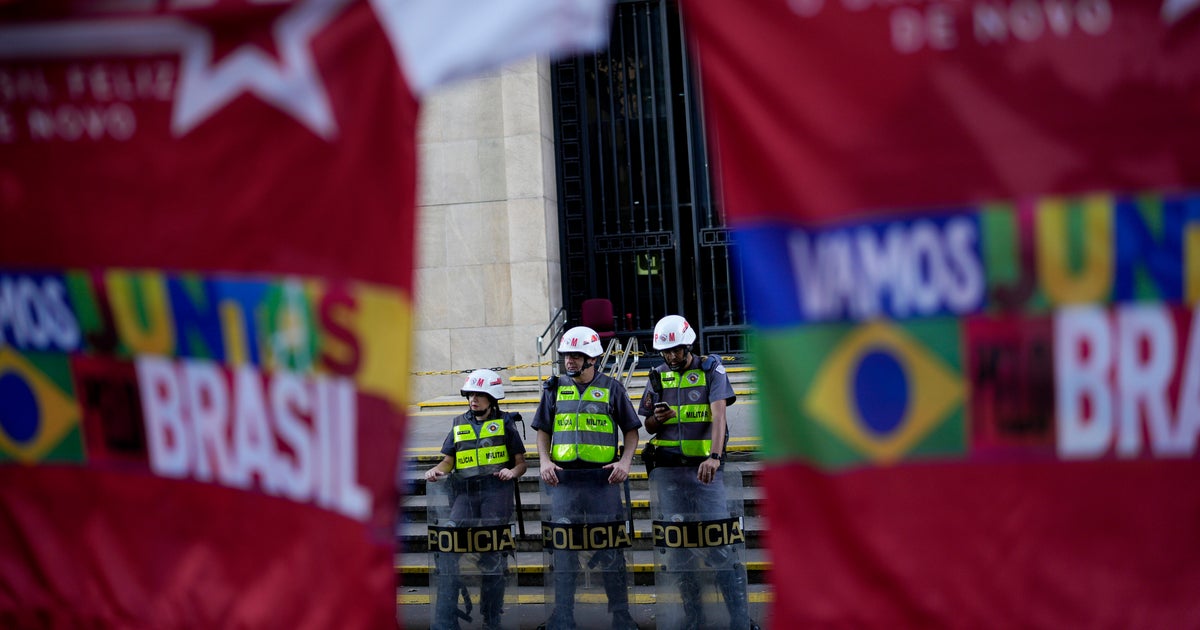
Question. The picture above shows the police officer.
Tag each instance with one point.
(578, 421)
(684, 404)
(486, 455)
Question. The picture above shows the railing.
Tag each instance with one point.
(621, 368)
(620, 354)
(558, 322)
(613, 348)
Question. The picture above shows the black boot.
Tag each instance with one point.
(732, 583)
(491, 601)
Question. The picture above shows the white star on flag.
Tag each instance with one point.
(292, 85)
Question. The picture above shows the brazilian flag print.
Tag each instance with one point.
(840, 395)
(39, 417)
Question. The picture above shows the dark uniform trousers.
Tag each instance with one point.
(585, 496)
(686, 498)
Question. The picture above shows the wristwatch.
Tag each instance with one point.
(716, 456)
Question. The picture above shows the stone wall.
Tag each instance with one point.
(487, 275)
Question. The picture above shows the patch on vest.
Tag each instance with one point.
(693, 395)
(597, 394)
(693, 378)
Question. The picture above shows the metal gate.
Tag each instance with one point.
(637, 220)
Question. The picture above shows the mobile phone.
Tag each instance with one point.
(662, 405)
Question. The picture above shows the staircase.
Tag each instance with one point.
(413, 564)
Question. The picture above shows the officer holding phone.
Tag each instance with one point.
(684, 405)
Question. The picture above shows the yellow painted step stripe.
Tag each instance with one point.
(441, 404)
(636, 374)
(413, 599)
(635, 567)
(743, 444)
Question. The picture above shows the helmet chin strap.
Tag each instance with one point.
(687, 358)
(581, 370)
(491, 403)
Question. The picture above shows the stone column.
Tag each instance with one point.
(487, 276)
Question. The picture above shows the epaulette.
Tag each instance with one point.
(713, 362)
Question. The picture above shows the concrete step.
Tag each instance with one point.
(415, 484)
(413, 534)
(414, 504)
(414, 570)
(525, 608)
(527, 611)
(523, 392)
(413, 595)
(415, 507)
(428, 426)
(413, 526)
(737, 373)
(740, 449)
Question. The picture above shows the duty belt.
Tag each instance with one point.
(675, 460)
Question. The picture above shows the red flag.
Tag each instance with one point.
(969, 237)
(205, 299)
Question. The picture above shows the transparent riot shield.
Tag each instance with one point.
(699, 542)
(585, 535)
(471, 549)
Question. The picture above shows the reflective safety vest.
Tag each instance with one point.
(583, 426)
(690, 431)
(481, 454)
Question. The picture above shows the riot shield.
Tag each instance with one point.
(471, 548)
(585, 535)
(699, 542)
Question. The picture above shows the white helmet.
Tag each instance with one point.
(486, 382)
(672, 331)
(581, 339)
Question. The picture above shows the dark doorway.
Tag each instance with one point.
(638, 221)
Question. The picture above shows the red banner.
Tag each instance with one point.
(171, 205)
(206, 296)
(970, 236)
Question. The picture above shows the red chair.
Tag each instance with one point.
(598, 315)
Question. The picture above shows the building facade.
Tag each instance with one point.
(487, 273)
(548, 183)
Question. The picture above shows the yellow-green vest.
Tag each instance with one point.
(480, 454)
(583, 426)
(690, 431)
